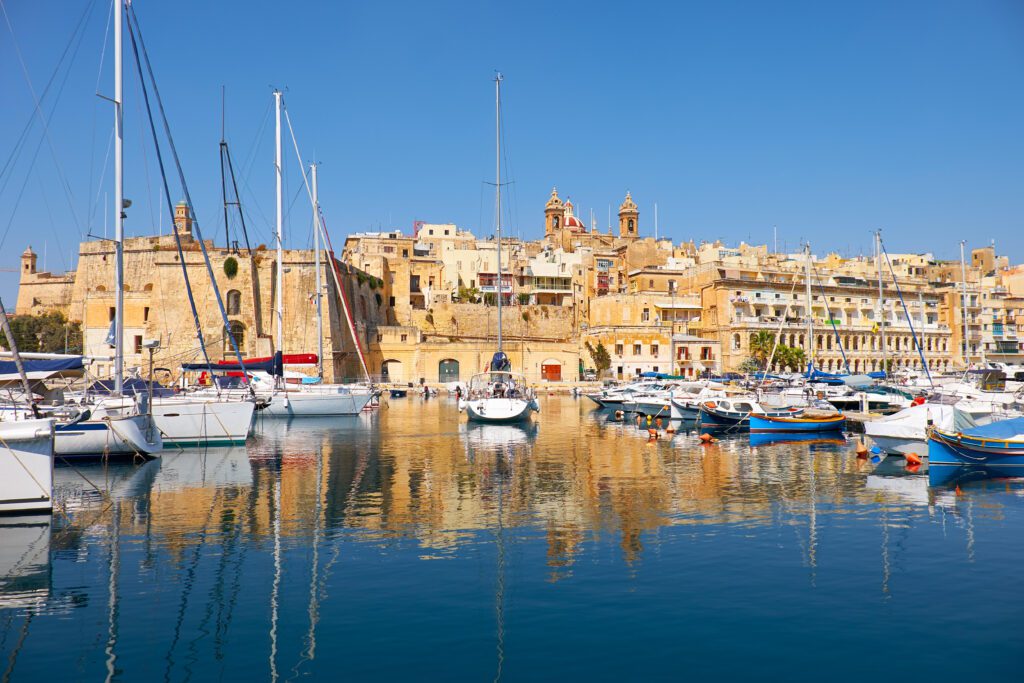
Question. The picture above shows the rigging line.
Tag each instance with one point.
(103, 175)
(42, 120)
(46, 90)
(92, 141)
(910, 321)
(184, 186)
(828, 309)
(238, 198)
(170, 206)
(53, 227)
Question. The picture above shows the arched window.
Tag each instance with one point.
(238, 332)
(631, 225)
(148, 287)
(234, 302)
(736, 342)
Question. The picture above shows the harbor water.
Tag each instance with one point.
(406, 544)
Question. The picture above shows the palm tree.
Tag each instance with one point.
(796, 359)
(761, 345)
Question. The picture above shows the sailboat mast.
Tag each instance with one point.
(118, 204)
(807, 295)
(279, 312)
(316, 266)
(497, 187)
(963, 301)
(881, 301)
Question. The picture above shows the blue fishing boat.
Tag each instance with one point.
(802, 424)
(1000, 444)
(736, 413)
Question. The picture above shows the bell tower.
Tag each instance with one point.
(554, 212)
(28, 262)
(183, 218)
(629, 218)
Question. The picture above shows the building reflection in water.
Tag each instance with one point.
(419, 472)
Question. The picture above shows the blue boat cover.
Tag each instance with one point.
(7, 367)
(1004, 429)
(500, 362)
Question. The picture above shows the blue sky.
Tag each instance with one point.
(825, 119)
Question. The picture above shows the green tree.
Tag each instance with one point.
(45, 333)
(797, 358)
(750, 365)
(599, 354)
(761, 345)
(469, 295)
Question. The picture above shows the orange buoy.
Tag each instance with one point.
(913, 459)
(862, 450)
(958, 491)
(706, 438)
(670, 429)
(912, 468)
(653, 433)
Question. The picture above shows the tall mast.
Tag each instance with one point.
(279, 313)
(316, 266)
(807, 294)
(497, 187)
(118, 205)
(881, 301)
(963, 301)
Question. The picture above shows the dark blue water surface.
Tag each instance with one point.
(406, 545)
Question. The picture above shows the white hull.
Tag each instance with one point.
(113, 436)
(498, 410)
(315, 403)
(198, 422)
(25, 561)
(26, 466)
(896, 445)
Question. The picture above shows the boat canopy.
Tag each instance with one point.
(42, 369)
(1008, 430)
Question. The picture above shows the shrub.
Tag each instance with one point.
(230, 267)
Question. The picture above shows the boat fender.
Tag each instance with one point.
(652, 433)
(919, 401)
(670, 429)
(619, 414)
(648, 420)
(913, 469)
(913, 459)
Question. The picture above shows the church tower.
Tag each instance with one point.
(28, 262)
(183, 219)
(629, 218)
(554, 211)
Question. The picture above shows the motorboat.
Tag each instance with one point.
(999, 444)
(736, 412)
(685, 403)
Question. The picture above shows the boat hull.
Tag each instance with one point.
(796, 425)
(315, 404)
(900, 445)
(26, 466)
(127, 436)
(960, 449)
(186, 422)
(499, 410)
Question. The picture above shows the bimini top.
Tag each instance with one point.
(42, 369)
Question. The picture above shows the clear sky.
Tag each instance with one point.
(825, 119)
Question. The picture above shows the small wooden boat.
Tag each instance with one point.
(1000, 444)
(797, 424)
(736, 413)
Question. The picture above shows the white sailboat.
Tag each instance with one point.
(498, 395)
(301, 400)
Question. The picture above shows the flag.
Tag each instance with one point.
(874, 328)
(111, 338)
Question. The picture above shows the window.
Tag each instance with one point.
(651, 284)
(618, 352)
(238, 333)
(646, 315)
(637, 349)
(391, 301)
(405, 253)
(389, 250)
(446, 232)
(405, 338)
(671, 285)
(145, 314)
(234, 302)
(138, 343)
(113, 313)
(654, 350)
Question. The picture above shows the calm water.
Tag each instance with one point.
(405, 545)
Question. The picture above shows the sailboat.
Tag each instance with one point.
(498, 394)
(304, 400)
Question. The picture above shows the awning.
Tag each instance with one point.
(41, 369)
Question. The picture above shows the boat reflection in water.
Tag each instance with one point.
(24, 561)
(758, 439)
(321, 544)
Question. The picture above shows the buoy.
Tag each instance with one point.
(862, 450)
(619, 414)
(706, 438)
(917, 401)
(648, 420)
(639, 420)
(913, 459)
(913, 468)
(653, 433)
(670, 429)
(658, 422)
(958, 491)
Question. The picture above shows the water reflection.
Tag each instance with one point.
(244, 545)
